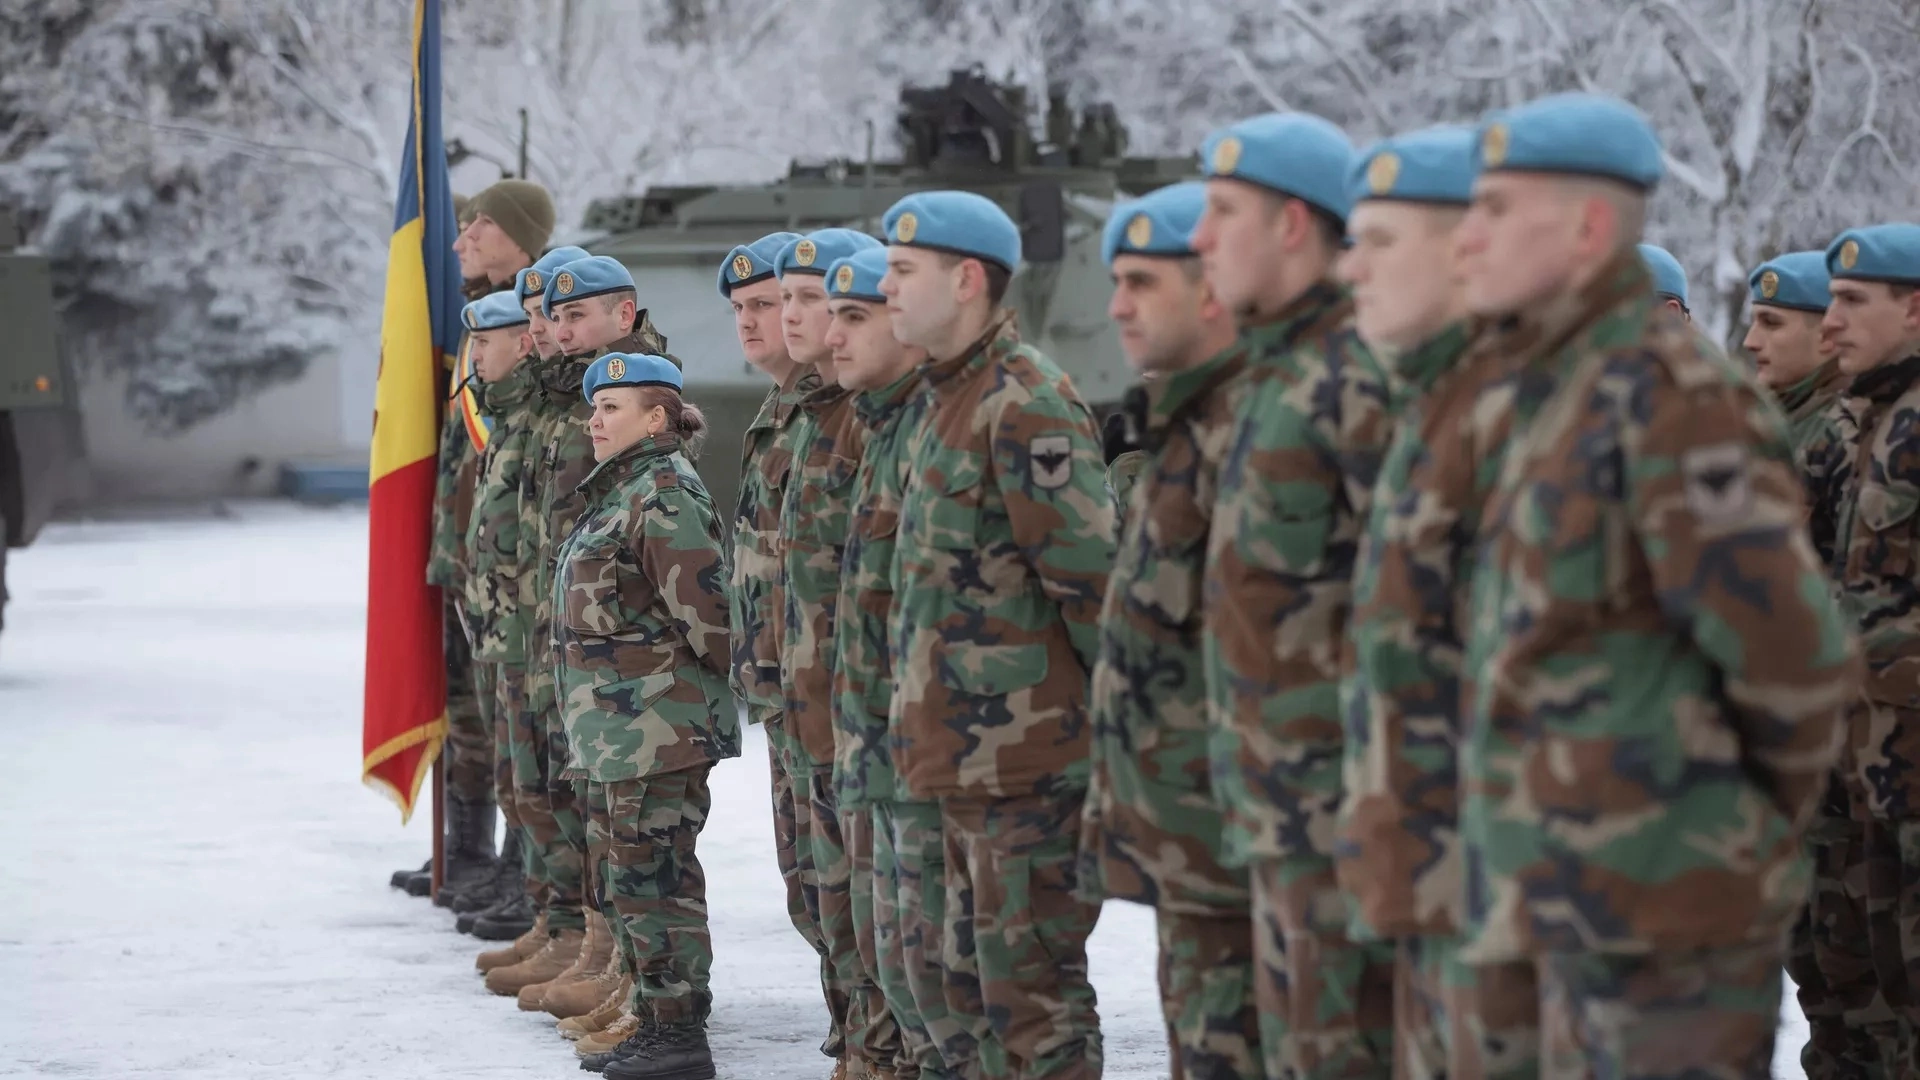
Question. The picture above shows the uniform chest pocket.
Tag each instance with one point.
(1169, 554)
(947, 507)
(1887, 514)
(825, 483)
(1573, 514)
(597, 592)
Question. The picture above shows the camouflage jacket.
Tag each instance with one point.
(640, 626)
(1307, 437)
(458, 468)
(1655, 666)
(1809, 405)
(1152, 821)
(1397, 851)
(1875, 563)
(497, 559)
(1006, 537)
(766, 459)
(816, 515)
(863, 666)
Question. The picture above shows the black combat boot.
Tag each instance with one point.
(509, 885)
(634, 1044)
(675, 1052)
(506, 922)
(403, 879)
(471, 862)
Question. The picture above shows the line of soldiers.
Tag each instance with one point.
(1482, 676)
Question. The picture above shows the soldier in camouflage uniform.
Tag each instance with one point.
(641, 653)
(1306, 437)
(1856, 958)
(1005, 539)
(1791, 358)
(1397, 849)
(1151, 832)
(828, 441)
(896, 917)
(748, 284)
(1655, 668)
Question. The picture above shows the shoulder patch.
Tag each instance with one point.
(1050, 461)
(1719, 484)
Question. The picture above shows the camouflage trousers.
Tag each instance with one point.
(651, 889)
(909, 921)
(865, 1036)
(1207, 996)
(469, 775)
(792, 811)
(1701, 1016)
(1016, 935)
(875, 1035)
(556, 824)
(1457, 1021)
(1326, 1001)
(1834, 953)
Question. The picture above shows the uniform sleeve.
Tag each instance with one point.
(1052, 478)
(455, 473)
(681, 555)
(1717, 511)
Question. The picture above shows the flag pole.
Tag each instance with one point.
(439, 823)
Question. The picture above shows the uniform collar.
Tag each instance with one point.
(1888, 381)
(1421, 366)
(876, 405)
(801, 382)
(562, 379)
(1544, 329)
(824, 396)
(630, 462)
(1160, 402)
(499, 398)
(1296, 318)
(999, 340)
(1821, 379)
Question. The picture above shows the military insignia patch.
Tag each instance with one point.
(804, 252)
(535, 282)
(616, 368)
(742, 267)
(1849, 254)
(844, 279)
(1226, 155)
(905, 229)
(1719, 486)
(563, 284)
(1769, 285)
(1382, 171)
(1493, 146)
(1140, 231)
(1051, 458)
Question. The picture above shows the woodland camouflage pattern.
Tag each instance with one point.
(766, 460)
(1709, 1015)
(1853, 1030)
(1656, 668)
(863, 666)
(1396, 849)
(816, 517)
(640, 634)
(1809, 407)
(1005, 540)
(498, 557)
(1153, 827)
(453, 484)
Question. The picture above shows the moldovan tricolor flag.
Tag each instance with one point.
(406, 709)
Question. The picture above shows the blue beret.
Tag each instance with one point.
(494, 311)
(532, 281)
(1158, 223)
(1433, 165)
(748, 263)
(857, 276)
(1669, 277)
(629, 369)
(1888, 252)
(596, 275)
(1296, 154)
(814, 252)
(1579, 134)
(958, 222)
(1795, 280)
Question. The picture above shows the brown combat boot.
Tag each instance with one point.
(609, 1010)
(553, 958)
(519, 949)
(623, 1028)
(575, 991)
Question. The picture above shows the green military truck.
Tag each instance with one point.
(34, 392)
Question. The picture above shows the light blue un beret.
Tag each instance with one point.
(629, 369)
(1669, 277)
(1796, 280)
(820, 249)
(1297, 154)
(1432, 165)
(596, 275)
(857, 276)
(957, 222)
(1576, 134)
(494, 311)
(1889, 253)
(532, 281)
(1157, 223)
(748, 263)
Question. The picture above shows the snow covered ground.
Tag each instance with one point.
(193, 880)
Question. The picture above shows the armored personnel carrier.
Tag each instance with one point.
(33, 392)
(971, 134)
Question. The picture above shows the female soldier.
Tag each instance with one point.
(641, 655)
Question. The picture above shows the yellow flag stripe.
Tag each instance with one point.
(405, 428)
